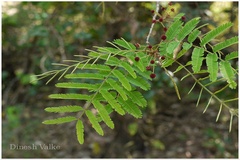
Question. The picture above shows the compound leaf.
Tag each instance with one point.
(60, 120)
(80, 130)
(143, 74)
(103, 113)
(137, 98)
(69, 96)
(170, 61)
(111, 100)
(94, 122)
(172, 46)
(140, 82)
(197, 59)
(212, 65)
(232, 55)
(129, 69)
(117, 88)
(188, 27)
(95, 66)
(122, 79)
(62, 109)
(163, 48)
(139, 64)
(173, 30)
(177, 17)
(109, 110)
(195, 33)
(107, 49)
(124, 44)
(227, 72)
(214, 33)
(77, 85)
(85, 76)
(225, 44)
(130, 107)
(187, 45)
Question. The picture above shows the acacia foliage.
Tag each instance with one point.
(120, 76)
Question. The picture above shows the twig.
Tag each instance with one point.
(154, 18)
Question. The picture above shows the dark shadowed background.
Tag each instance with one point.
(36, 34)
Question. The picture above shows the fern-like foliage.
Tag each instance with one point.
(80, 130)
(225, 44)
(103, 113)
(188, 27)
(60, 120)
(173, 30)
(212, 66)
(195, 33)
(232, 55)
(197, 59)
(63, 109)
(94, 122)
(120, 77)
(228, 73)
(214, 33)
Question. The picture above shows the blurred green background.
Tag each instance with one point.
(36, 34)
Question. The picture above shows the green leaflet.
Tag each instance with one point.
(177, 17)
(80, 130)
(107, 49)
(99, 97)
(188, 27)
(95, 66)
(77, 85)
(111, 100)
(117, 88)
(169, 62)
(121, 42)
(112, 61)
(173, 30)
(195, 33)
(178, 69)
(197, 59)
(212, 65)
(172, 46)
(85, 76)
(227, 72)
(163, 48)
(214, 33)
(69, 96)
(122, 79)
(105, 86)
(60, 120)
(138, 64)
(140, 82)
(94, 122)
(103, 113)
(187, 45)
(232, 55)
(227, 43)
(95, 54)
(143, 74)
(130, 107)
(109, 110)
(90, 87)
(129, 69)
(137, 98)
(62, 109)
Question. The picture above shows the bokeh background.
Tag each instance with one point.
(37, 34)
